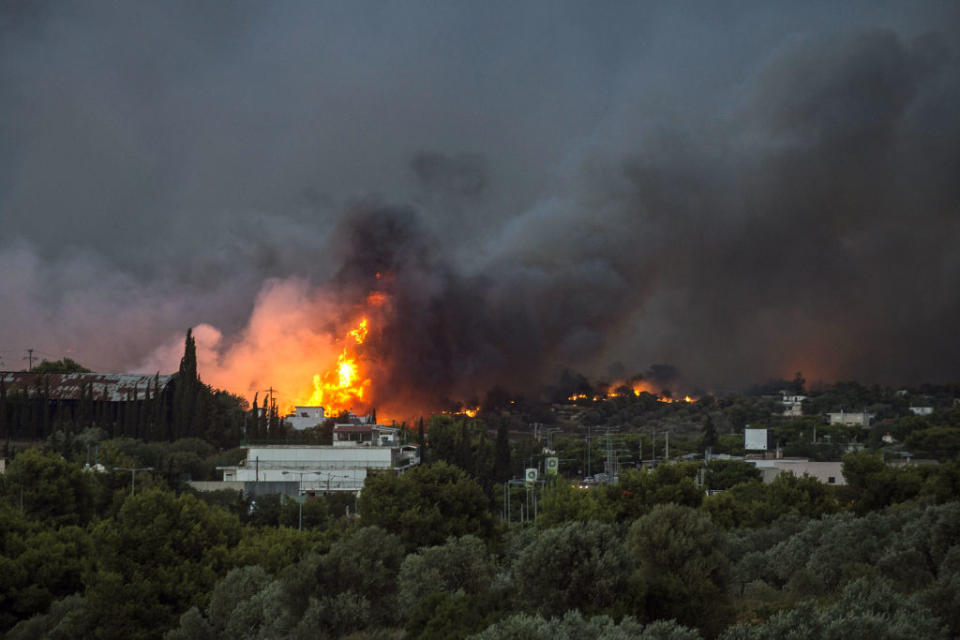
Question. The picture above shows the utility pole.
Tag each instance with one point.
(133, 475)
(29, 358)
(666, 453)
(300, 497)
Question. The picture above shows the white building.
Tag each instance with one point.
(921, 411)
(861, 419)
(825, 472)
(793, 405)
(311, 470)
(365, 435)
(305, 417)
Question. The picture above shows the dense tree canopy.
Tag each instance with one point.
(426, 505)
(425, 556)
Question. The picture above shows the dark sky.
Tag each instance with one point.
(740, 189)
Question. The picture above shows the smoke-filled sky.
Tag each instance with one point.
(739, 189)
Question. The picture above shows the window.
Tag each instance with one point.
(832, 480)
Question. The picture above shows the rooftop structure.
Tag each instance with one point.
(861, 419)
(311, 470)
(793, 404)
(365, 435)
(825, 472)
(114, 387)
(305, 417)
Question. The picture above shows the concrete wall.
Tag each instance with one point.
(852, 419)
(306, 457)
(215, 485)
(822, 471)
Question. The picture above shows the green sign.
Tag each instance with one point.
(552, 466)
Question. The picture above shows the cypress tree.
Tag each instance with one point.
(255, 418)
(263, 418)
(185, 390)
(274, 425)
(106, 419)
(143, 414)
(36, 414)
(45, 416)
(709, 438)
(83, 408)
(159, 415)
(4, 422)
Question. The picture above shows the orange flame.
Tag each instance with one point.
(638, 387)
(342, 386)
(470, 412)
(360, 333)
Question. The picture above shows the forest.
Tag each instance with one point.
(102, 535)
(428, 555)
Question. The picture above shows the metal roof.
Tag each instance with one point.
(115, 387)
(361, 428)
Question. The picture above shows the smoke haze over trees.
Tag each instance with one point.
(741, 192)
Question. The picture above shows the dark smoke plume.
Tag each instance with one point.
(740, 192)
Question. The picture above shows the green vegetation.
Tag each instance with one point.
(60, 366)
(678, 551)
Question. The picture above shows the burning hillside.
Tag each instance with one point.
(637, 387)
(394, 328)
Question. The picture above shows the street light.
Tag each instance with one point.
(133, 475)
(299, 492)
(330, 477)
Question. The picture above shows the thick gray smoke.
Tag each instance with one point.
(742, 191)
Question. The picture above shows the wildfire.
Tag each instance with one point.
(343, 386)
(360, 333)
(470, 412)
(376, 299)
(638, 387)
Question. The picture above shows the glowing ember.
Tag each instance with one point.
(638, 387)
(469, 412)
(360, 333)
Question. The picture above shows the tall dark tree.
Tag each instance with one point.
(798, 383)
(709, 431)
(253, 421)
(275, 429)
(161, 407)
(143, 413)
(186, 389)
(421, 438)
(4, 421)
